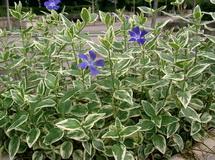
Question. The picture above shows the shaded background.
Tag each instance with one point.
(74, 6)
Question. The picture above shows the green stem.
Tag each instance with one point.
(115, 110)
(167, 92)
(83, 78)
(196, 51)
(25, 53)
(111, 70)
(73, 49)
(143, 74)
(125, 37)
(159, 69)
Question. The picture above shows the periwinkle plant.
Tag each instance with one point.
(146, 101)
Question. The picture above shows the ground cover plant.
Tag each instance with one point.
(134, 93)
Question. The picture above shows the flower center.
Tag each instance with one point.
(52, 4)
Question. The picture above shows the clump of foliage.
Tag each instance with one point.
(132, 93)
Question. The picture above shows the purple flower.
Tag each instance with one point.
(137, 35)
(91, 62)
(52, 4)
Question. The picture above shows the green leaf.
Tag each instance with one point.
(15, 14)
(21, 120)
(129, 156)
(157, 120)
(119, 151)
(195, 128)
(149, 1)
(177, 2)
(66, 149)
(148, 109)
(18, 62)
(79, 110)
(69, 124)
(174, 76)
(212, 1)
(93, 17)
(78, 155)
(78, 135)
(50, 81)
(91, 119)
(146, 10)
(212, 107)
(66, 22)
(45, 103)
(148, 149)
(174, 45)
(197, 13)
(165, 57)
(108, 19)
(196, 104)
(41, 88)
(190, 113)
(113, 134)
(17, 96)
(206, 117)
(54, 135)
(161, 83)
(198, 69)
(87, 147)
(65, 107)
(149, 82)
(32, 136)
(99, 49)
(98, 144)
(128, 131)
(37, 155)
(124, 96)
(209, 55)
(85, 15)
(184, 98)
(69, 94)
(145, 125)
(179, 141)
(167, 120)
(172, 129)
(13, 147)
(3, 114)
(159, 142)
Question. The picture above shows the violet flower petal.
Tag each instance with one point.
(132, 34)
(136, 30)
(100, 63)
(132, 39)
(143, 33)
(83, 57)
(93, 70)
(92, 55)
(141, 41)
(83, 65)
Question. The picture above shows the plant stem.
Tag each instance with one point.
(115, 110)
(125, 36)
(167, 92)
(196, 39)
(111, 70)
(143, 74)
(73, 49)
(25, 53)
(159, 70)
(83, 78)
